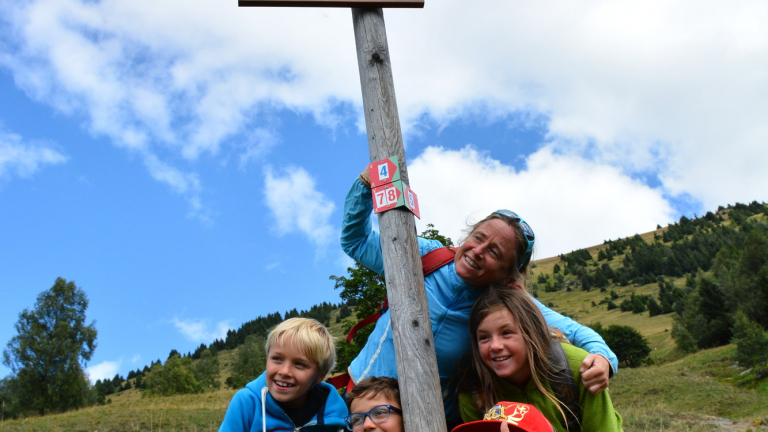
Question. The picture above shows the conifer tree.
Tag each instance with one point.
(48, 355)
(751, 341)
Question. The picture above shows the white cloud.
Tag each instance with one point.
(104, 370)
(185, 75)
(676, 89)
(199, 330)
(184, 184)
(297, 206)
(25, 158)
(569, 202)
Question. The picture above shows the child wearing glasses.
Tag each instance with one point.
(514, 358)
(290, 394)
(374, 405)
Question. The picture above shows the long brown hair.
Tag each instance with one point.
(517, 272)
(479, 379)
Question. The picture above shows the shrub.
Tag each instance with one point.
(175, 377)
(628, 344)
(751, 341)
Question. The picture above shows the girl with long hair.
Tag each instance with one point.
(513, 358)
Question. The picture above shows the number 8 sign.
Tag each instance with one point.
(385, 197)
(393, 195)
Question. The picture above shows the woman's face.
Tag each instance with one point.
(502, 347)
(487, 255)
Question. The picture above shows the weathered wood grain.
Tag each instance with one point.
(412, 330)
(335, 3)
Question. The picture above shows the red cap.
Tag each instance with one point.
(521, 417)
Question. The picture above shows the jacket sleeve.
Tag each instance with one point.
(358, 239)
(468, 409)
(241, 412)
(597, 411)
(579, 335)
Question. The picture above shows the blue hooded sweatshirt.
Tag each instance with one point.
(253, 409)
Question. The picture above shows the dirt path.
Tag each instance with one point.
(726, 425)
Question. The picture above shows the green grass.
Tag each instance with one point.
(696, 392)
(131, 412)
(688, 392)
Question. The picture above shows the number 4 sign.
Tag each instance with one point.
(384, 171)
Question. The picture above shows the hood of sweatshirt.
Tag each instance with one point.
(273, 418)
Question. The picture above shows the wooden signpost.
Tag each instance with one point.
(335, 3)
(409, 312)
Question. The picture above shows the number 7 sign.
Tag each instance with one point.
(393, 195)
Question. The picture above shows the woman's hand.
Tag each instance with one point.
(594, 373)
(365, 177)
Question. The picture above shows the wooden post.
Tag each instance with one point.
(419, 380)
(412, 331)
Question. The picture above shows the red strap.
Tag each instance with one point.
(430, 262)
(340, 381)
(371, 319)
(437, 258)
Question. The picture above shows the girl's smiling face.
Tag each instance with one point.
(502, 347)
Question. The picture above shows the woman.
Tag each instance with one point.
(513, 359)
(497, 251)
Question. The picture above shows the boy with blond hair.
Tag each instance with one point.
(290, 394)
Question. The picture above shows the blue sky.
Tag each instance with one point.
(186, 164)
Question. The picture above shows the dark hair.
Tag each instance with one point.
(373, 386)
(479, 379)
(518, 273)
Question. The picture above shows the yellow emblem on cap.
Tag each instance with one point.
(499, 412)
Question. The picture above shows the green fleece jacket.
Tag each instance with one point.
(597, 413)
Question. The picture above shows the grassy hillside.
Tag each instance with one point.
(678, 392)
(694, 393)
(577, 304)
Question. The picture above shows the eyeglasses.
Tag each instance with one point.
(377, 414)
(530, 238)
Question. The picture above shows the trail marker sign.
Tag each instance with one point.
(388, 190)
(412, 201)
(335, 3)
(384, 171)
(420, 391)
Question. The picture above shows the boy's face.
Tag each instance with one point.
(290, 374)
(364, 404)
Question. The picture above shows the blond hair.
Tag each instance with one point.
(310, 337)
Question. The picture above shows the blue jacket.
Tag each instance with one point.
(252, 405)
(450, 301)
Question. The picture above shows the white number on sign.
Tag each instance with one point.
(383, 172)
(392, 195)
(386, 197)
